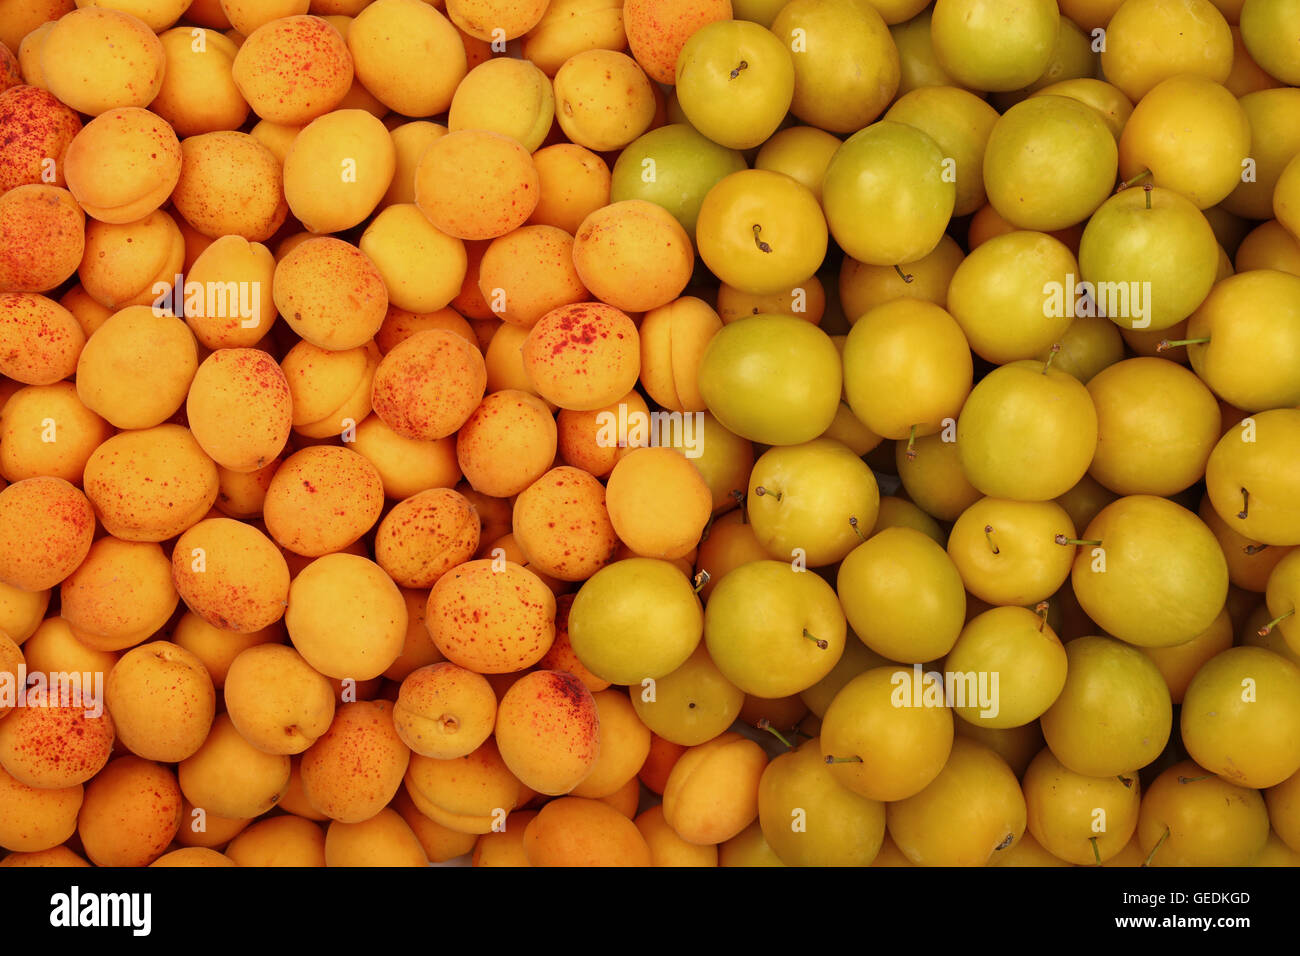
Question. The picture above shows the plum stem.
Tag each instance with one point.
(988, 536)
(1245, 504)
(765, 724)
(1051, 354)
(700, 580)
(1062, 539)
(905, 276)
(1146, 188)
(816, 640)
(1167, 344)
(910, 454)
(741, 66)
(1134, 181)
(853, 523)
(1041, 610)
(761, 491)
(1268, 628)
(762, 246)
(844, 760)
(1159, 843)
(1096, 854)
(1254, 548)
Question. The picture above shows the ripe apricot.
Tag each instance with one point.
(658, 503)
(162, 701)
(547, 729)
(120, 595)
(425, 536)
(528, 272)
(476, 184)
(46, 528)
(574, 183)
(229, 777)
(562, 526)
(42, 237)
(610, 243)
(130, 814)
(582, 356)
(40, 341)
(576, 831)
(98, 59)
(123, 164)
(346, 617)
(490, 619)
(337, 170)
(230, 184)
(322, 499)
(428, 385)
(37, 129)
(137, 344)
(131, 263)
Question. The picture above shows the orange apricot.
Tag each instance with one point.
(507, 443)
(612, 245)
(428, 385)
(425, 536)
(46, 528)
(476, 184)
(490, 619)
(583, 356)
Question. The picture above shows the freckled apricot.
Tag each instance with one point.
(293, 69)
(322, 499)
(583, 356)
(162, 701)
(151, 484)
(330, 293)
(598, 439)
(137, 344)
(123, 164)
(547, 730)
(657, 31)
(575, 182)
(526, 273)
(603, 99)
(507, 443)
(231, 575)
(624, 745)
(46, 528)
(425, 536)
(362, 733)
(562, 525)
(120, 595)
(131, 263)
(35, 128)
(428, 385)
(130, 814)
(96, 59)
(40, 341)
(239, 408)
(399, 325)
(41, 237)
(51, 745)
(444, 711)
(230, 184)
(490, 619)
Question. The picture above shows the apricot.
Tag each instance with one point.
(666, 847)
(406, 466)
(162, 701)
(39, 339)
(409, 143)
(21, 611)
(53, 648)
(603, 99)
(90, 314)
(476, 184)
(582, 356)
(36, 129)
(338, 169)
(322, 499)
(330, 391)
(504, 847)
(346, 617)
(528, 272)
(408, 55)
(612, 244)
(575, 831)
(230, 184)
(574, 183)
(231, 575)
(227, 293)
(673, 340)
(598, 439)
(46, 527)
(490, 619)
(422, 267)
(561, 656)
(247, 15)
(444, 711)
(52, 744)
(383, 839)
(569, 27)
(59, 856)
(658, 503)
(123, 164)
(712, 792)
(120, 595)
(659, 763)
(399, 325)
(294, 69)
(229, 777)
(137, 344)
(428, 385)
(198, 92)
(239, 408)
(130, 813)
(624, 744)
(199, 828)
(132, 263)
(41, 237)
(32, 820)
(362, 734)
(193, 856)
(656, 32)
(547, 729)
(98, 59)
(425, 536)
(562, 526)
(151, 484)
(507, 96)
(507, 443)
(330, 293)
(279, 841)
(470, 794)
(626, 799)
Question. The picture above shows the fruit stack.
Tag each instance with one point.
(658, 432)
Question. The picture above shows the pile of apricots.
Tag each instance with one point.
(335, 336)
